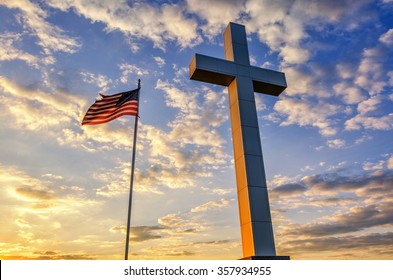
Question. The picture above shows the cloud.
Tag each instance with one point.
(331, 201)
(63, 114)
(390, 75)
(180, 224)
(27, 106)
(174, 160)
(128, 69)
(333, 191)
(12, 176)
(50, 255)
(8, 51)
(141, 233)
(303, 113)
(336, 143)
(279, 27)
(211, 205)
(370, 77)
(370, 73)
(355, 219)
(99, 80)
(217, 16)
(374, 166)
(373, 123)
(116, 181)
(34, 194)
(50, 37)
(177, 229)
(47, 255)
(369, 105)
(336, 182)
(171, 157)
(134, 19)
(159, 60)
(387, 38)
(283, 25)
(299, 81)
(287, 190)
(377, 246)
(52, 176)
(40, 216)
(22, 223)
(390, 162)
(216, 242)
(349, 93)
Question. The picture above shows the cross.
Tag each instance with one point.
(242, 81)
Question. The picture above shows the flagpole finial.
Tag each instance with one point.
(139, 83)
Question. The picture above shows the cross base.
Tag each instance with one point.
(285, 258)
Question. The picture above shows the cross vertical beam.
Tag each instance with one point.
(242, 80)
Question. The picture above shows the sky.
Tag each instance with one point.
(327, 139)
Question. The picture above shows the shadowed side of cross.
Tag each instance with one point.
(242, 81)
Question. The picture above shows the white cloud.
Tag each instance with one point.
(63, 113)
(117, 181)
(373, 166)
(345, 71)
(387, 38)
(42, 214)
(336, 143)
(211, 205)
(175, 163)
(294, 54)
(375, 123)
(50, 37)
(99, 80)
(140, 20)
(350, 94)
(282, 24)
(370, 74)
(9, 52)
(364, 118)
(303, 113)
(217, 16)
(390, 162)
(301, 83)
(28, 106)
(367, 106)
(279, 26)
(160, 61)
(128, 69)
(95, 138)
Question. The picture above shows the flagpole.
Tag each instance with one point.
(132, 178)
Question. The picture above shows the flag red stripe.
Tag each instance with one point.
(113, 111)
(128, 103)
(94, 107)
(107, 113)
(106, 101)
(108, 119)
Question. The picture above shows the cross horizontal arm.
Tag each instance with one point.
(212, 70)
(222, 72)
(267, 81)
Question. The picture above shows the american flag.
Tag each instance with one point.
(110, 107)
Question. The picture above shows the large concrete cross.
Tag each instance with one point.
(242, 81)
